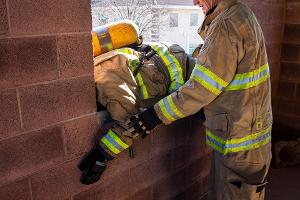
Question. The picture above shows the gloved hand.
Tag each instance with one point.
(143, 123)
(93, 166)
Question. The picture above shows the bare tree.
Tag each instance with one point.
(147, 14)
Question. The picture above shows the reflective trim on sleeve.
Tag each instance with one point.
(208, 79)
(116, 138)
(249, 142)
(169, 109)
(142, 86)
(110, 146)
(133, 63)
(172, 64)
(250, 79)
(113, 142)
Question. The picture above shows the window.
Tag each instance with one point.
(194, 19)
(173, 20)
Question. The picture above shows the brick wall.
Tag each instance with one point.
(271, 16)
(288, 99)
(48, 116)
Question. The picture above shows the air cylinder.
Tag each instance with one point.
(114, 35)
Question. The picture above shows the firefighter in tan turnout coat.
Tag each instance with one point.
(231, 81)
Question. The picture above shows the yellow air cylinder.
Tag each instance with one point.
(113, 36)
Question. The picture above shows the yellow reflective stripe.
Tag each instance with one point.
(110, 146)
(117, 139)
(142, 86)
(174, 108)
(214, 146)
(172, 64)
(206, 85)
(250, 79)
(252, 141)
(252, 136)
(212, 75)
(125, 50)
(165, 112)
(251, 74)
(133, 63)
(238, 149)
(248, 85)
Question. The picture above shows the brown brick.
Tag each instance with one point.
(274, 70)
(45, 104)
(181, 156)
(200, 168)
(123, 161)
(179, 132)
(197, 139)
(118, 165)
(193, 192)
(170, 136)
(273, 52)
(75, 55)
(115, 188)
(273, 33)
(144, 194)
(290, 71)
(286, 106)
(170, 186)
(27, 60)
(49, 16)
(80, 135)
(142, 149)
(298, 91)
(16, 191)
(292, 13)
(146, 174)
(199, 149)
(3, 19)
(163, 139)
(59, 182)
(257, 10)
(28, 153)
(274, 86)
(268, 12)
(9, 113)
(286, 89)
(291, 33)
(286, 127)
(297, 108)
(290, 52)
(277, 11)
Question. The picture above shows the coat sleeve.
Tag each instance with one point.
(215, 68)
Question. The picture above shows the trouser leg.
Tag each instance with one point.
(240, 179)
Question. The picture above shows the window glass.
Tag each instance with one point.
(194, 19)
(173, 19)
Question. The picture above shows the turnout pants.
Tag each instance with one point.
(240, 176)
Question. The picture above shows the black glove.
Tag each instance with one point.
(93, 166)
(143, 123)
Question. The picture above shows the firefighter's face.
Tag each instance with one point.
(202, 4)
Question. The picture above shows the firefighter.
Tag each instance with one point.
(127, 80)
(231, 81)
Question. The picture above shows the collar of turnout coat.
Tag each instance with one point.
(222, 6)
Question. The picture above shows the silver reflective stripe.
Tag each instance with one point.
(104, 39)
